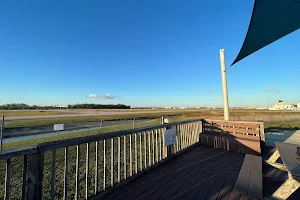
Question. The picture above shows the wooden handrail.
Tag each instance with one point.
(81, 140)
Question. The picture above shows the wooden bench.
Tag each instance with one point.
(249, 181)
(291, 163)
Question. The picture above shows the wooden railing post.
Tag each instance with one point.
(35, 176)
(262, 137)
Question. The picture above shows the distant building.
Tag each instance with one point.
(282, 106)
(252, 107)
(298, 105)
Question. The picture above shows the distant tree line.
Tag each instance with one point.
(22, 106)
(98, 106)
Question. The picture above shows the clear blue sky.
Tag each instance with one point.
(143, 53)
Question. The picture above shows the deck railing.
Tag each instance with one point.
(89, 166)
(244, 137)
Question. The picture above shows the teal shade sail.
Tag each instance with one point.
(270, 21)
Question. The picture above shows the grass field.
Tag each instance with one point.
(282, 127)
(235, 115)
(51, 121)
(14, 113)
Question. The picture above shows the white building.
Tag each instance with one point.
(298, 105)
(282, 106)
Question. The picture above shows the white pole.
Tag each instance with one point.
(1, 132)
(224, 85)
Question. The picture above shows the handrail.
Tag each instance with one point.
(81, 140)
(4, 155)
(42, 147)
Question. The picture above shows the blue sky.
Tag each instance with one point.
(141, 53)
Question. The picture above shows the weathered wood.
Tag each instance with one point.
(255, 183)
(156, 146)
(163, 144)
(52, 191)
(87, 166)
(149, 149)
(130, 156)
(274, 157)
(119, 160)
(7, 179)
(153, 146)
(234, 123)
(132, 180)
(66, 173)
(77, 171)
(244, 175)
(177, 141)
(96, 167)
(141, 153)
(278, 166)
(249, 181)
(104, 165)
(286, 189)
(125, 160)
(24, 177)
(289, 157)
(135, 154)
(145, 150)
(35, 176)
(112, 162)
(4, 155)
(160, 145)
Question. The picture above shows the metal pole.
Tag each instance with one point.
(1, 132)
(101, 123)
(224, 85)
(133, 122)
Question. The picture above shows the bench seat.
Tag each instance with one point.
(249, 181)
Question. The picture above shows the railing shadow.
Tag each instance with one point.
(242, 137)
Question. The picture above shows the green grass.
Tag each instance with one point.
(13, 113)
(34, 141)
(282, 127)
(51, 121)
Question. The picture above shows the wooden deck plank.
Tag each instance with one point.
(234, 195)
(205, 189)
(255, 184)
(244, 176)
(159, 187)
(149, 187)
(168, 191)
(185, 175)
(225, 191)
(194, 190)
(181, 186)
(215, 190)
(243, 197)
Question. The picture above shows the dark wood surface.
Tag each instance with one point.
(290, 158)
(249, 181)
(255, 184)
(200, 173)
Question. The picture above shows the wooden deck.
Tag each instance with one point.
(200, 173)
